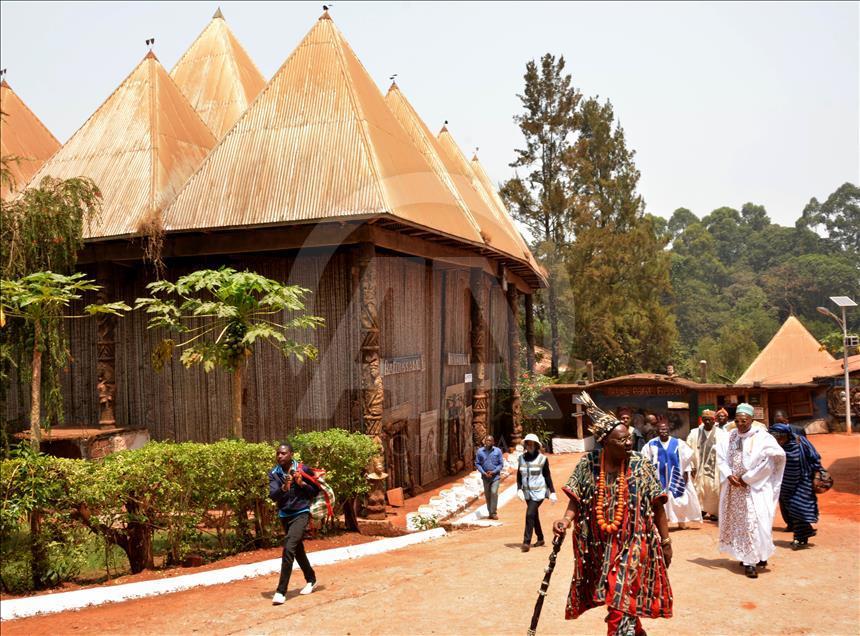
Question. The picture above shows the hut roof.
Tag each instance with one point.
(23, 136)
(837, 367)
(139, 147)
(318, 143)
(217, 76)
(793, 355)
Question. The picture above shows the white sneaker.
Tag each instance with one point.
(278, 599)
(308, 588)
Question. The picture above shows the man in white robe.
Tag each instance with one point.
(674, 462)
(751, 464)
(706, 477)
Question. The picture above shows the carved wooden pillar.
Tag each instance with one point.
(479, 356)
(514, 364)
(371, 378)
(106, 351)
(530, 333)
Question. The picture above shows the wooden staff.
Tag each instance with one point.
(544, 586)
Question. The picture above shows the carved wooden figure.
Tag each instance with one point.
(479, 356)
(106, 351)
(371, 378)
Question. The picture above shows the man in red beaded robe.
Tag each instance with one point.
(621, 541)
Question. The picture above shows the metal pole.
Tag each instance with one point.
(845, 365)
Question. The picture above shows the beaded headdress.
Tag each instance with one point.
(602, 422)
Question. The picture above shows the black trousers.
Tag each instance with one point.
(532, 521)
(294, 550)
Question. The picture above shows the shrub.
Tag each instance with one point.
(343, 455)
(186, 493)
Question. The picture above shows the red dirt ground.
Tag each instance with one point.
(478, 581)
(252, 556)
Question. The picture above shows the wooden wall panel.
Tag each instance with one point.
(402, 298)
(188, 404)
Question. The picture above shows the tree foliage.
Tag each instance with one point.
(839, 216)
(737, 276)
(541, 199)
(617, 265)
(42, 230)
(609, 287)
(41, 301)
(219, 315)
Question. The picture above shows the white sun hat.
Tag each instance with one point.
(531, 437)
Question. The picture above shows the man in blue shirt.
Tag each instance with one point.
(292, 494)
(489, 463)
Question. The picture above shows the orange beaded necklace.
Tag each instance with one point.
(620, 501)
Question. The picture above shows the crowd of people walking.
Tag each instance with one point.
(622, 499)
(626, 494)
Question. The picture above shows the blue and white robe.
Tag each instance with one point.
(674, 461)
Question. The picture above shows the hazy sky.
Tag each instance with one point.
(723, 103)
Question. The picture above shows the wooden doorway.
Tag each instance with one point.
(398, 454)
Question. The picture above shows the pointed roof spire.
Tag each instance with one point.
(139, 146)
(325, 15)
(318, 143)
(22, 135)
(217, 76)
(218, 15)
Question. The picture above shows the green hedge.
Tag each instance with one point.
(194, 498)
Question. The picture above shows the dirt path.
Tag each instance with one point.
(478, 581)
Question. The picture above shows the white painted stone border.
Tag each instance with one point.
(480, 516)
(64, 601)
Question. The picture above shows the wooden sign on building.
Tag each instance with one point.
(403, 364)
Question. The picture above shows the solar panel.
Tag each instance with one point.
(843, 301)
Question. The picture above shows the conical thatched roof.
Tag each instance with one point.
(499, 205)
(218, 77)
(22, 137)
(492, 221)
(427, 145)
(318, 143)
(793, 356)
(139, 147)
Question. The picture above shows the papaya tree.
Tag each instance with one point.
(42, 301)
(42, 230)
(218, 316)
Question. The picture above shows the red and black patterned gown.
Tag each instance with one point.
(623, 570)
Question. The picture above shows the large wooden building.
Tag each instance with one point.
(408, 251)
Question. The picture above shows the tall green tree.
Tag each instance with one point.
(540, 198)
(680, 220)
(839, 215)
(220, 315)
(618, 268)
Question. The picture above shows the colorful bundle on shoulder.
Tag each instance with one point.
(322, 506)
